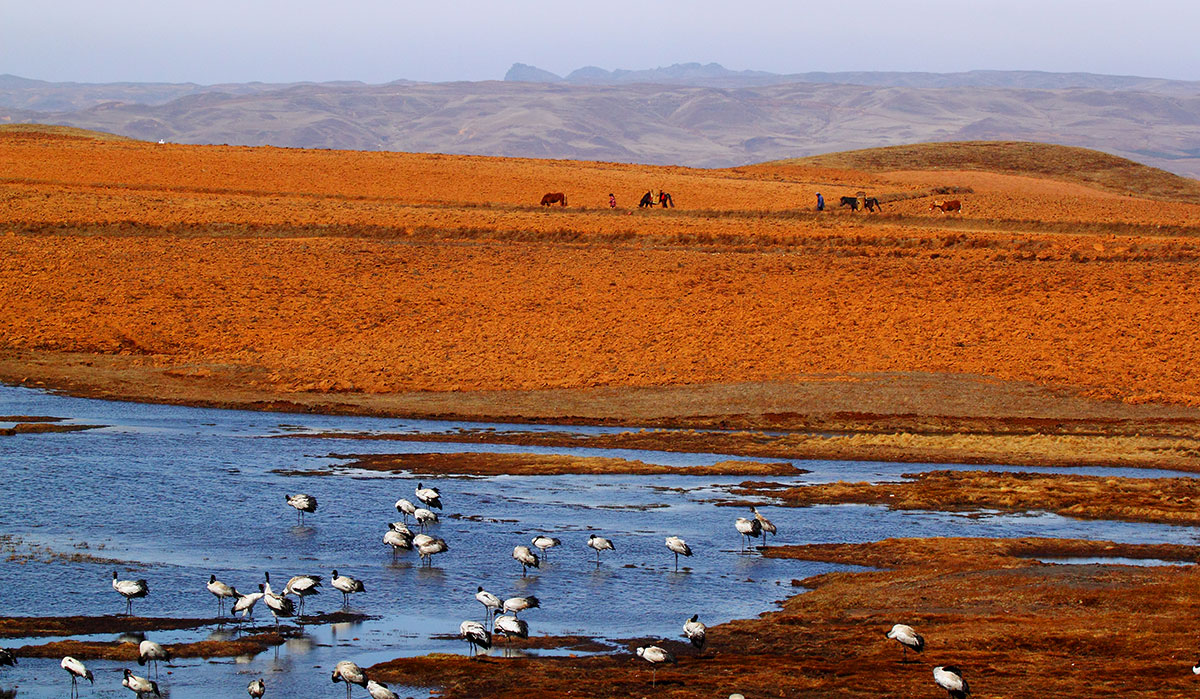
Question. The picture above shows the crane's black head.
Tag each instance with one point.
(694, 617)
(212, 578)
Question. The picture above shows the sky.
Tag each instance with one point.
(377, 41)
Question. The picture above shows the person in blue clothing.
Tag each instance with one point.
(820, 202)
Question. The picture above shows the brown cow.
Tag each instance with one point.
(554, 198)
(946, 206)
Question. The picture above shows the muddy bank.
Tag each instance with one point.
(1169, 444)
(581, 644)
(41, 427)
(550, 465)
(1159, 500)
(90, 650)
(20, 626)
(1015, 626)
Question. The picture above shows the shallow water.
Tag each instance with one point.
(182, 492)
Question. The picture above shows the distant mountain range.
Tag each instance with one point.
(689, 114)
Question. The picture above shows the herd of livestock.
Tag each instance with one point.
(857, 202)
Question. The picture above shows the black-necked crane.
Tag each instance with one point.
(379, 690)
(528, 559)
(430, 549)
(476, 635)
(222, 592)
(764, 523)
(425, 516)
(907, 637)
(655, 656)
(406, 508)
(130, 590)
(510, 627)
(398, 538)
(680, 548)
(302, 586)
(303, 503)
(545, 543)
(245, 603)
(599, 543)
(422, 539)
(430, 496)
(347, 586)
(520, 604)
(951, 679)
(748, 528)
(1196, 668)
(7, 657)
(256, 688)
(490, 602)
(139, 685)
(78, 671)
(151, 652)
(279, 605)
(695, 631)
(350, 673)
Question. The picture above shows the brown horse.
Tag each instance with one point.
(554, 198)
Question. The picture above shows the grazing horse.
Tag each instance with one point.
(872, 203)
(852, 202)
(947, 206)
(554, 198)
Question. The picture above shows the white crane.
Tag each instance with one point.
(425, 516)
(430, 496)
(303, 503)
(139, 685)
(428, 550)
(476, 635)
(695, 631)
(78, 671)
(151, 652)
(907, 637)
(256, 688)
(490, 602)
(379, 690)
(279, 605)
(680, 548)
(655, 656)
(951, 679)
(245, 603)
(764, 523)
(302, 586)
(599, 543)
(222, 592)
(346, 671)
(748, 528)
(528, 559)
(346, 585)
(406, 508)
(509, 627)
(130, 590)
(520, 604)
(398, 538)
(545, 543)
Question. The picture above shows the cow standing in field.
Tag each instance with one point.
(554, 198)
(946, 206)
(852, 202)
(872, 203)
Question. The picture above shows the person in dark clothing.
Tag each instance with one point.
(647, 200)
(612, 201)
(665, 200)
(820, 202)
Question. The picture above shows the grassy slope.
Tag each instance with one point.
(1067, 163)
(64, 131)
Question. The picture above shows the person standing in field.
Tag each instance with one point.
(820, 202)
(612, 201)
(665, 199)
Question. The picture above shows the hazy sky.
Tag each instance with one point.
(377, 41)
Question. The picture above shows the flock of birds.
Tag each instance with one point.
(500, 614)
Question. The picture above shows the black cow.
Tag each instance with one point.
(872, 203)
(852, 202)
